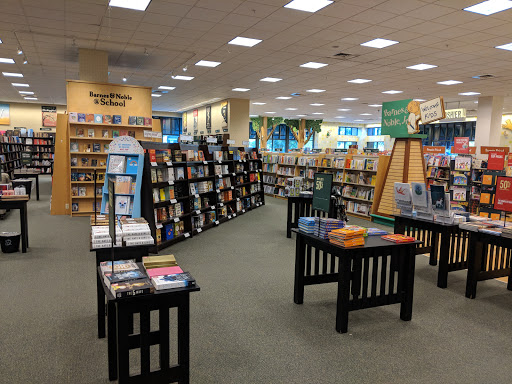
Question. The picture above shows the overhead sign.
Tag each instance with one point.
(434, 149)
(472, 150)
(432, 110)
(453, 114)
(486, 150)
(496, 161)
(245, 143)
(460, 145)
(503, 199)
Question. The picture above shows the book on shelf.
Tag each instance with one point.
(98, 118)
(73, 117)
(104, 133)
(132, 120)
(131, 133)
(74, 161)
(74, 207)
(140, 120)
(96, 147)
(73, 146)
(117, 119)
(89, 118)
(132, 163)
(123, 184)
(80, 132)
(148, 121)
(107, 119)
(117, 164)
(123, 132)
(184, 279)
(115, 134)
(123, 205)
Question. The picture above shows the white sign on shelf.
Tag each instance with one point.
(156, 135)
(158, 225)
(187, 234)
(169, 163)
(176, 219)
(153, 164)
(171, 182)
(243, 210)
(218, 190)
(232, 187)
(237, 199)
(186, 137)
(229, 217)
(217, 222)
(221, 204)
(174, 201)
(234, 174)
(198, 211)
(205, 162)
(230, 141)
(196, 196)
(211, 140)
(245, 143)
(234, 214)
(148, 134)
(212, 207)
(199, 230)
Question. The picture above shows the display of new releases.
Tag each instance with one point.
(129, 232)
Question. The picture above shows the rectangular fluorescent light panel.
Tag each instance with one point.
(30, 98)
(138, 5)
(245, 41)
(449, 82)
(269, 112)
(344, 109)
(206, 63)
(421, 67)
(156, 95)
(20, 85)
(489, 7)
(166, 87)
(271, 79)
(301, 115)
(313, 65)
(317, 113)
(469, 93)
(6, 60)
(290, 109)
(350, 99)
(419, 99)
(507, 47)
(359, 81)
(179, 77)
(12, 74)
(26, 92)
(379, 43)
(258, 103)
(392, 92)
(340, 117)
(375, 105)
(308, 5)
(366, 114)
(316, 90)
(241, 89)
(1, 41)
(316, 105)
(283, 98)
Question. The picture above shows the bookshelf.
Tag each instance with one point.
(10, 152)
(42, 151)
(185, 193)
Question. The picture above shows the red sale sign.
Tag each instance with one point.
(460, 145)
(496, 161)
(503, 199)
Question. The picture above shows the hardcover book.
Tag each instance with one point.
(122, 205)
(140, 120)
(73, 146)
(89, 118)
(132, 288)
(74, 207)
(132, 164)
(107, 119)
(81, 117)
(79, 132)
(147, 121)
(132, 120)
(104, 133)
(419, 194)
(437, 195)
(115, 134)
(117, 119)
(105, 148)
(173, 281)
(74, 161)
(98, 118)
(131, 133)
(402, 192)
(96, 147)
(119, 266)
(117, 164)
(73, 117)
(90, 132)
(85, 161)
(123, 132)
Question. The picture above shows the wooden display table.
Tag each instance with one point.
(121, 313)
(28, 175)
(18, 202)
(357, 274)
(444, 241)
(303, 207)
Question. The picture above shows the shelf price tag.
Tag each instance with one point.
(187, 235)
(153, 164)
(198, 211)
(234, 214)
(239, 160)
(176, 219)
(217, 222)
(220, 176)
(220, 161)
(221, 204)
(171, 182)
(229, 217)
(232, 187)
(237, 199)
(245, 172)
(212, 207)
(169, 163)
(243, 210)
(174, 201)
(196, 196)
(218, 190)
(205, 162)
(159, 225)
(199, 230)
(245, 161)
(234, 174)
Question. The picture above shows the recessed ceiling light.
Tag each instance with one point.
(317, 113)
(283, 98)
(489, 7)
(241, 89)
(271, 79)
(301, 115)
(180, 77)
(469, 93)
(421, 67)
(6, 60)
(290, 109)
(375, 105)
(316, 90)
(308, 5)
(26, 92)
(340, 117)
(365, 114)
(476, 102)
(206, 63)
(253, 115)
(359, 81)
(419, 99)
(30, 98)
(379, 43)
(20, 85)
(258, 103)
(313, 65)
(138, 5)
(350, 99)
(12, 74)
(316, 104)
(125, 79)
(1, 41)
(344, 109)
(269, 112)
(449, 82)
(245, 41)
(507, 47)
(166, 87)
(392, 92)
(156, 95)
(358, 120)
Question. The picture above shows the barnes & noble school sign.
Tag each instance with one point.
(111, 99)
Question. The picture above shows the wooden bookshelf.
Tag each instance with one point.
(10, 149)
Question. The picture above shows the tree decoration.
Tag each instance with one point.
(311, 127)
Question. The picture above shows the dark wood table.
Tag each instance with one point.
(444, 241)
(303, 207)
(27, 176)
(121, 312)
(361, 282)
(489, 257)
(22, 206)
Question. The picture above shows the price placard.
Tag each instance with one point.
(153, 164)
(187, 234)
(171, 182)
(196, 196)
(211, 140)
(234, 214)
(158, 226)
(186, 138)
(503, 198)
(243, 210)
(229, 217)
(217, 222)
(245, 143)
(198, 211)
(169, 163)
(199, 230)
(230, 142)
(221, 204)
(205, 162)
(232, 187)
(176, 219)
(174, 201)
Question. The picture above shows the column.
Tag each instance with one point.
(488, 123)
(93, 65)
(238, 120)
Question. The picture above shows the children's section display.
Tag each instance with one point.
(124, 166)
(188, 189)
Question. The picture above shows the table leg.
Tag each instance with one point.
(343, 294)
(26, 225)
(37, 187)
(23, 224)
(409, 262)
(444, 256)
(112, 340)
(300, 256)
(184, 339)
(100, 298)
(289, 220)
(474, 258)
(434, 249)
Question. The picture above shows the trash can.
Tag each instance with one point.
(25, 182)
(10, 241)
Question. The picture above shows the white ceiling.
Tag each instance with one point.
(178, 33)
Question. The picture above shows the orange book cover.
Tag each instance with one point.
(487, 179)
(485, 198)
(495, 216)
(89, 118)
(189, 172)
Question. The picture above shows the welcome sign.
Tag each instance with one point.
(400, 118)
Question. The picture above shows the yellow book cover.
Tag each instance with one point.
(162, 194)
(485, 198)
(495, 216)
(487, 179)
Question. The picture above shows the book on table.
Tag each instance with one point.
(398, 238)
(173, 281)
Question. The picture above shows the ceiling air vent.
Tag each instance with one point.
(295, 94)
(343, 56)
(483, 77)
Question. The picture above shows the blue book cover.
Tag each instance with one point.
(169, 231)
(132, 164)
(98, 118)
(117, 119)
(81, 117)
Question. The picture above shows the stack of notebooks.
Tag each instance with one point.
(326, 225)
(347, 237)
(165, 273)
(397, 238)
(127, 279)
(308, 224)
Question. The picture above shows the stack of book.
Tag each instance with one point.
(308, 225)
(326, 225)
(347, 237)
(100, 237)
(507, 232)
(165, 272)
(398, 238)
(127, 279)
(136, 231)
(375, 232)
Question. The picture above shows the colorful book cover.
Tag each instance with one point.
(90, 132)
(85, 161)
(123, 132)
(117, 119)
(81, 117)
(403, 193)
(419, 194)
(96, 147)
(80, 132)
(122, 205)
(104, 133)
(132, 120)
(74, 161)
(169, 231)
(98, 118)
(105, 148)
(132, 163)
(140, 120)
(148, 121)
(115, 134)
(107, 119)
(89, 118)
(74, 207)
(73, 146)
(438, 197)
(397, 238)
(152, 272)
(131, 133)
(73, 117)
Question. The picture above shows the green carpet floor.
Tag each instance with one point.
(245, 327)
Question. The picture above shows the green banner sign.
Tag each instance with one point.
(400, 118)
(322, 191)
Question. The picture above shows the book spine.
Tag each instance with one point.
(135, 292)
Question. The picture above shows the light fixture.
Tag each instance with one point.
(138, 5)
(124, 79)
(25, 61)
(375, 105)
(1, 41)
(350, 99)
(507, 47)
(420, 100)
(166, 87)
(269, 112)
(156, 95)
(469, 93)
(290, 109)
(358, 120)
(20, 85)
(6, 60)
(30, 98)
(258, 103)
(313, 65)
(241, 89)
(253, 115)
(283, 98)
(185, 68)
(12, 74)
(316, 105)
(206, 63)
(245, 41)
(344, 109)
(20, 52)
(476, 102)
(179, 77)
(359, 81)
(26, 92)
(489, 7)
(392, 92)
(301, 115)
(316, 90)
(421, 67)
(449, 82)
(365, 114)
(271, 79)
(379, 43)
(340, 117)
(317, 113)
(308, 5)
